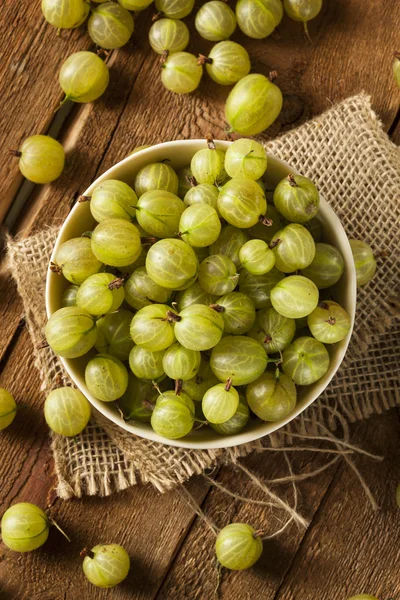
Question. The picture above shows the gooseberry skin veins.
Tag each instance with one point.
(69, 296)
(175, 9)
(199, 328)
(217, 275)
(113, 199)
(230, 240)
(305, 361)
(41, 159)
(165, 397)
(193, 295)
(227, 63)
(141, 290)
(180, 362)
(71, 332)
(235, 424)
(147, 364)
(65, 14)
(253, 105)
(156, 176)
(295, 297)
(96, 296)
(364, 261)
(259, 287)
(302, 10)
(116, 242)
(113, 334)
(256, 257)
(24, 527)
(272, 330)
(84, 77)
(272, 398)
(203, 193)
(172, 264)
(327, 266)
(8, 409)
(246, 158)
(238, 547)
(151, 328)
(109, 566)
(239, 358)
(199, 225)
(258, 19)
(241, 202)
(67, 411)
(215, 21)
(172, 419)
(106, 377)
(294, 248)
(181, 73)
(110, 25)
(219, 404)
(168, 34)
(329, 323)
(76, 260)
(297, 199)
(238, 312)
(207, 166)
(159, 212)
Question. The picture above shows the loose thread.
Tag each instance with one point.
(333, 440)
(303, 476)
(298, 518)
(191, 502)
(304, 449)
(225, 490)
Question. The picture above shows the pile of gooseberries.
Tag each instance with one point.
(252, 105)
(206, 305)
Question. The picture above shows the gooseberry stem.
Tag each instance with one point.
(147, 404)
(83, 198)
(292, 181)
(210, 141)
(171, 316)
(86, 553)
(202, 60)
(87, 234)
(228, 384)
(15, 153)
(118, 282)
(265, 221)
(192, 180)
(178, 386)
(324, 305)
(258, 533)
(306, 32)
(164, 56)
(55, 268)
(148, 240)
(272, 76)
(331, 321)
(157, 15)
(274, 244)
(217, 307)
(267, 339)
(56, 525)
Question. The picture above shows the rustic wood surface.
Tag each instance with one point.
(347, 548)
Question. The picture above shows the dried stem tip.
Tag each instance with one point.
(55, 268)
(192, 180)
(172, 317)
(202, 60)
(324, 305)
(164, 56)
(396, 55)
(157, 15)
(292, 180)
(267, 339)
(210, 141)
(228, 384)
(217, 307)
(258, 533)
(331, 321)
(83, 198)
(274, 244)
(265, 221)
(272, 76)
(87, 553)
(178, 386)
(148, 240)
(147, 404)
(118, 282)
(16, 153)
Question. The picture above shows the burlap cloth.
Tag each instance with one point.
(357, 169)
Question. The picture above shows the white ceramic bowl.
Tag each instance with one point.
(179, 154)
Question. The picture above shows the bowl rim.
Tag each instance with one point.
(220, 442)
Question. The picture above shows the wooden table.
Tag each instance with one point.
(347, 548)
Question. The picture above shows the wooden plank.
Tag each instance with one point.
(194, 570)
(150, 525)
(32, 55)
(349, 549)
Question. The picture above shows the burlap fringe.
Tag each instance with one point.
(358, 172)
